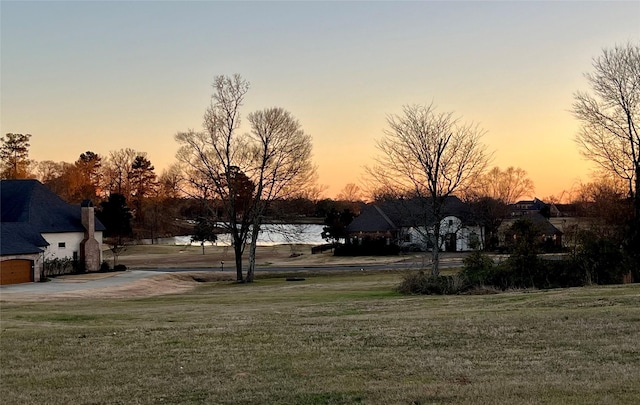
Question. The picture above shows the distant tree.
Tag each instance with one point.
(610, 116)
(142, 177)
(204, 231)
(62, 181)
(87, 177)
(429, 155)
(14, 154)
(605, 202)
(524, 239)
(489, 212)
(506, 186)
(118, 171)
(143, 184)
(351, 192)
(48, 170)
(336, 225)
(116, 216)
(169, 182)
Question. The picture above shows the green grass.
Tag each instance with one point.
(333, 339)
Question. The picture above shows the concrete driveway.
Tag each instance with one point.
(77, 282)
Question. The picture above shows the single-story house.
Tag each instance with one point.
(550, 236)
(37, 226)
(410, 224)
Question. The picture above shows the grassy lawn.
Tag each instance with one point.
(336, 339)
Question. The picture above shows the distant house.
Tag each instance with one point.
(409, 223)
(527, 207)
(37, 225)
(538, 212)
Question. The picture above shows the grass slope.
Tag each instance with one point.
(337, 339)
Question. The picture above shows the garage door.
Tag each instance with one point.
(15, 271)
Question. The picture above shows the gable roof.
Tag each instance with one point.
(391, 215)
(29, 201)
(371, 219)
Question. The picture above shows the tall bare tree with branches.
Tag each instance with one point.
(506, 186)
(239, 175)
(430, 155)
(281, 164)
(610, 116)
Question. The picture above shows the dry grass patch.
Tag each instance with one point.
(171, 256)
(327, 340)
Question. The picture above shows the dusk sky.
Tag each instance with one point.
(102, 76)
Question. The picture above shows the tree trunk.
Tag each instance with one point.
(237, 249)
(252, 253)
(636, 196)
(435, 252)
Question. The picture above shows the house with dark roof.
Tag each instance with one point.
(538, 212)
(36, 225)
(527, 207)
(409, 223)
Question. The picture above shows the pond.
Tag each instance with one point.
(270, 234)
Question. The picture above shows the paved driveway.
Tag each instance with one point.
(79, 282)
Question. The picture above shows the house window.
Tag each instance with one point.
(62, 245)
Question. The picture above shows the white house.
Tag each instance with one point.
(410, 224)
(38, 226)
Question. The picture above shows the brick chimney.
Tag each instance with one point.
(89, 247)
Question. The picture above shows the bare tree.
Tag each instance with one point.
(506, 186)
(611, 114)
(281, 164)
(430, 155)
(118, 171)
(48, 170)
(211, 160)
(351, 192)
(239, 175)
(490, 196)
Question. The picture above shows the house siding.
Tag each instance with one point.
(450, 224)
(71, 241)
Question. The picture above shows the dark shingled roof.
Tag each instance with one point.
(19, 238)
(403, 213)
(27, 208)
(543, 223)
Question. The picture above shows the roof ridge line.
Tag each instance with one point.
(386, 218)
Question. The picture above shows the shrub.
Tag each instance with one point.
(368, 247)
(601, 260)
(478, 269)
(422, 283)
(58, 267)
(104, 267)
(119, 267)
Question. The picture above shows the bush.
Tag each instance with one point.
(119, 267)
(478, 269)
(601, 260)
(104, 267)
(369, 247)
(422, 283)
(58, 267)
